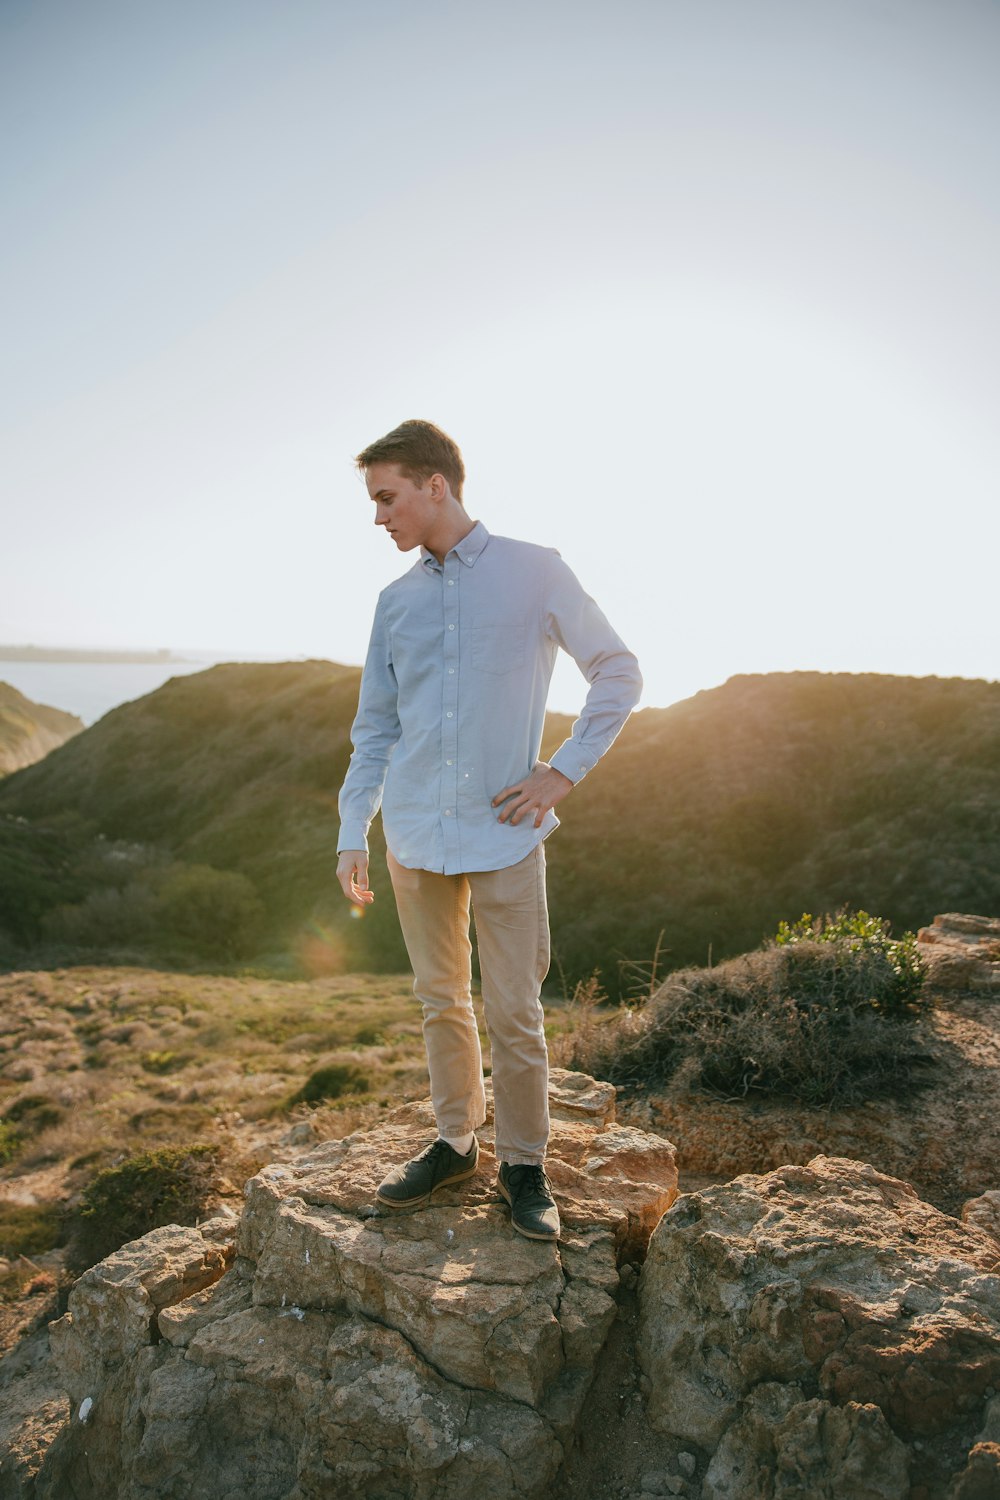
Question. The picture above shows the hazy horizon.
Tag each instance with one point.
(89, 694)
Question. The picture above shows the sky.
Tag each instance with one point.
(706, 290)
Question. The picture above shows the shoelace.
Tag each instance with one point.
(436, 1148)
(532, 1179)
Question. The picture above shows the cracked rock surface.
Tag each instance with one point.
(330, 1348)
(821, 1330)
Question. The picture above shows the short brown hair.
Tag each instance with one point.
(420, 449)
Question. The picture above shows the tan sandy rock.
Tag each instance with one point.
(781, 1446)
(34, 1410)
(320, 1346)
(984, 1213)
(831, 1282)
(980, 1479)
(114, 1305)
(962, 952)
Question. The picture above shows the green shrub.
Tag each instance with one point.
(884, 972)
(28, 1228)
(369, 1036)
(107, 917)
(217, 911)
(827, 1020)
(331, 1082)
(169, 1185)
(33, 1113)
(10, 1141)
(163, 1062)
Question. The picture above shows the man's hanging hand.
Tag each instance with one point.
(352, 872)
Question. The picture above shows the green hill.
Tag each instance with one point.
(708, 821)
(28, 730)
(782, 793)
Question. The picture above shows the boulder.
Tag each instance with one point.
(780, 1446)
(323, 1346)
(962, 952)
(34, 1410)
(116, 1303)
(818, 1319)
(983, 1213)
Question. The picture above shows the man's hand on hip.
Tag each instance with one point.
(352, 872)
(542, 789)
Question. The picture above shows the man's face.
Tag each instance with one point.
(401, 506)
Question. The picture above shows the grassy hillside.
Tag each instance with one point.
(778, 794)
(28, 731)
(708, 821)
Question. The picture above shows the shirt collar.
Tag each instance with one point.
(467, 550)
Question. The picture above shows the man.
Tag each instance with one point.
(446, 741)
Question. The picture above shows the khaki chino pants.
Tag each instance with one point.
(512, 933)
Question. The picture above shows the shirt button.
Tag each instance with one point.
(451, 583)
(451, 627)
(447, 812)
(449, 714)
(448, 762)
(451, 671)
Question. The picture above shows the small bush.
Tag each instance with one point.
(10, 1141)
(883, 972)
(170, 1185)
(163, 1062)
(28, 1228)
(332, 1082)
(216, 911)
(106, 917)
(33, 1113)
(825, 1020)
(370, 1036)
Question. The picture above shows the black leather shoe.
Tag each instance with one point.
(532, 1208)
(435, 1167)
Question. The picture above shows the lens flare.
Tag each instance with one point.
(320, 949)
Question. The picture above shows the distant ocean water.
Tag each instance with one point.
(92, 689)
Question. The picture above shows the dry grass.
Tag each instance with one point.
(99, 1064)
(804, 1022)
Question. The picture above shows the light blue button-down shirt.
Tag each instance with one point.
(452, 701)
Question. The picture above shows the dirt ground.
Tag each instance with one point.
(944, 1139)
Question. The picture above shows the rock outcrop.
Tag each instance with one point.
(983, 1213)
(962, 952)
(320, 1347)
(820, 1330)
(28, 730)
(816, 1331)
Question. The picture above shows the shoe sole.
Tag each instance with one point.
(528, 1233)
(426, 1197)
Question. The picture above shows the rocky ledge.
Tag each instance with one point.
(962, 952)
(319, 1347)
(821, 1331)
(814, 1331)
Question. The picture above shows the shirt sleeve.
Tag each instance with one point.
(574, 622)
(374, 733)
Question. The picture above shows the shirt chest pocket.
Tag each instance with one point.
(498, 647)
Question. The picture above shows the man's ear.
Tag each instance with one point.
(438, 487)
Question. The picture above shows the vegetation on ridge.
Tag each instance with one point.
(710, 821)
(825, 1014)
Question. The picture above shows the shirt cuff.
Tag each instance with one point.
(573, 762)
(352, 836)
